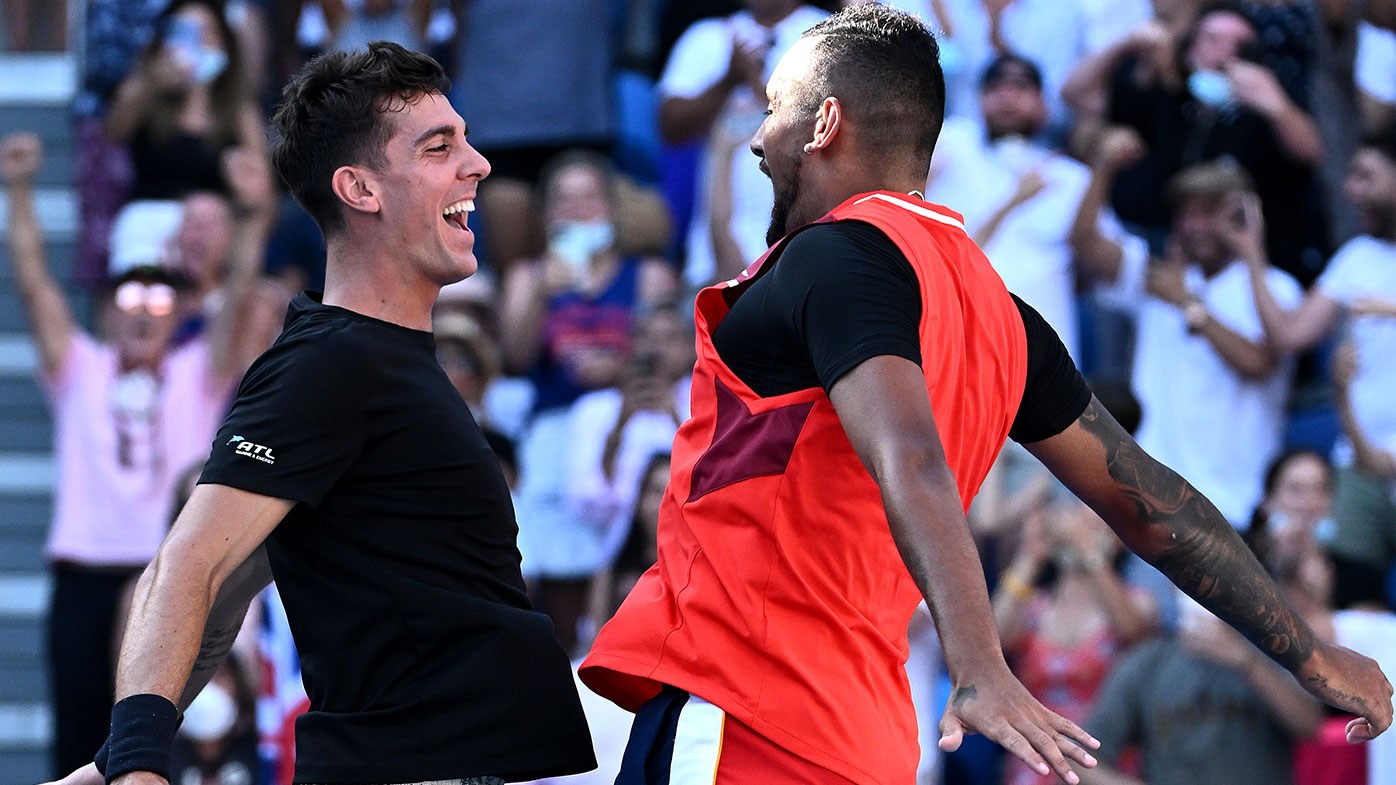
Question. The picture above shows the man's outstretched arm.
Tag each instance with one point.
(225, 619)
(169, 638)
(1176, 529)
(884, 408)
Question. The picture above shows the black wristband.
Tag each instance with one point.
(142, 733)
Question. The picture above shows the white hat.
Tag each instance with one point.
(141, 233)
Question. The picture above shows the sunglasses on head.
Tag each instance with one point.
(158, 299)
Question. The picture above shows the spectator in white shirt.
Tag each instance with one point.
(1019, 197)
(1213, 390)
(716, 74)
(1360, 283)
(613, 433)
(1375, 73)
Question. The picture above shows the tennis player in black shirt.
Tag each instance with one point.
(351, 471)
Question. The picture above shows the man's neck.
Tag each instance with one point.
(364, 284)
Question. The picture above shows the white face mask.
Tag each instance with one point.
(575, 242)
(210, 716)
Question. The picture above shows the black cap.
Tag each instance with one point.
(1010, 65)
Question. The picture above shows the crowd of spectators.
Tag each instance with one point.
(1200, 197)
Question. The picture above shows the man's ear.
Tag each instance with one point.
(828, 124)
(357, 188)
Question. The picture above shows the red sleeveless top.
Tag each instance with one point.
(779, 594)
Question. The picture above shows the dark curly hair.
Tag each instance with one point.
(332, 115)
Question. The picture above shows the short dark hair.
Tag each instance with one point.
(331, 115)
(884, 67)
(1002, 66)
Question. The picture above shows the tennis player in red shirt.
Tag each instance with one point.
(853, 387)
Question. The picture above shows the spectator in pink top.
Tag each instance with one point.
(131, 413)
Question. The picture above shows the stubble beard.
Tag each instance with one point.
(786, 193)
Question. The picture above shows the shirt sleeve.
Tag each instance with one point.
(297, 423)
(1376, 62)
(1345, 278)
(1117, 717)
(850, 295)
(1054, 394)
(699, 59)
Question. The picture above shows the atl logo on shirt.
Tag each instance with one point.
(249, 450)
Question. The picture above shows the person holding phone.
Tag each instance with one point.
(1213, 390)
(185, 104)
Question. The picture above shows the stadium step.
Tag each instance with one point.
(36, 93)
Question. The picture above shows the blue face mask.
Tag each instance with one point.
(209, 64)
(1213, 89)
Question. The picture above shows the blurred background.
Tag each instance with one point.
(1200, 197)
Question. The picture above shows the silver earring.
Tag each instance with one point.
(809, 148)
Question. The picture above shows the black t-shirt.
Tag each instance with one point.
(398, 565)
(842, 293)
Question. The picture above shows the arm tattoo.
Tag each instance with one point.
(1182, 534)
(964, 694)
(216, 643)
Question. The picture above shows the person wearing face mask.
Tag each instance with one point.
(217, 742)
(1201, 95)
(566, 317)
(566, 324)
(130, 413)
(184, 105)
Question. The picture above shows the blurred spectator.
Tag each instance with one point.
(352, 24)
(640, 550)
(1020, 198)
(535, 80)
(1375, 71)
(470, 359)
(185, 105)
(1064, 614)
(613, 434)
(1055, 34)
(34, 25)
(566, 322)
(217, 741)
(129, 414)
(1203, 708)
(1201, 98)
(1300, 491)
(1212, 389)
(610, 435)
(114, 34)
(1361, 582)
(1360, 283)
(715, 80)
(1293, 516)
(566, 317)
